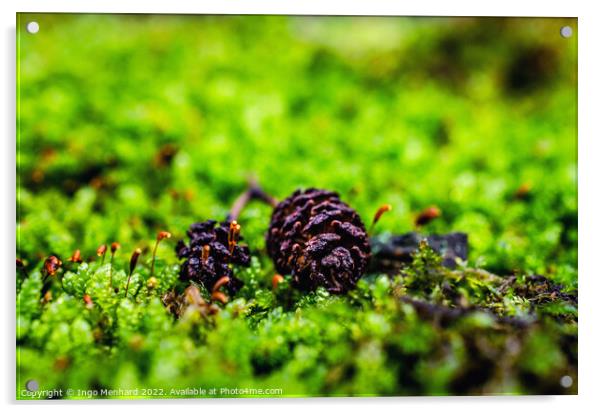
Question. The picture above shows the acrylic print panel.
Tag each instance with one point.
(290, 206)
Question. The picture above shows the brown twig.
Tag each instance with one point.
(253, 192)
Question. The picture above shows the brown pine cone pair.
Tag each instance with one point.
(313, 235)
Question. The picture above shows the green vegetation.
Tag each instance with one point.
(131, 125)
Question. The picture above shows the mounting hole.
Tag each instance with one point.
(32, 385)
(33, 27)
(566, 31)
(566, 381)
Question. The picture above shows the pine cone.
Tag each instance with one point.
(209, 254)
(319, 240)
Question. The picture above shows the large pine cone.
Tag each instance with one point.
(319, 240)
(208, 255)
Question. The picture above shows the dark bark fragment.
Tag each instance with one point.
(391, 253)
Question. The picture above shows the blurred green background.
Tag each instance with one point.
(132, 124)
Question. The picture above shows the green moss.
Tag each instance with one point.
(379, 110)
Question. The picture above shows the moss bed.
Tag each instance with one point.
(131, 125)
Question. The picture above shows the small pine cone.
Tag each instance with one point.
(208, 255)
(319, 240)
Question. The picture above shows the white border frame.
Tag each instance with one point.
(590, 205)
